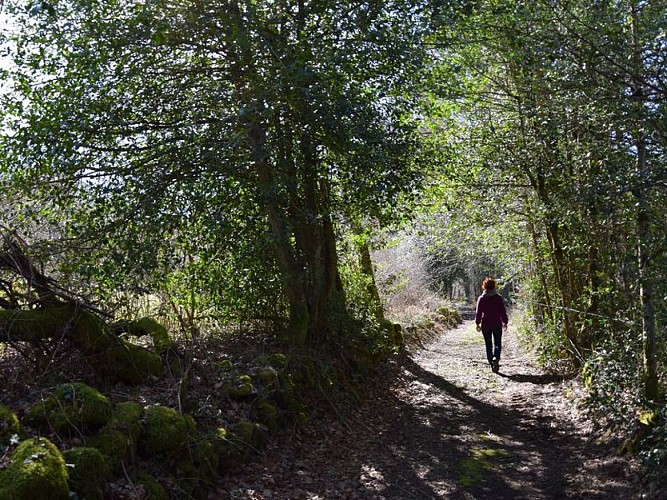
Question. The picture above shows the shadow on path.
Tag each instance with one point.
(433, 446)
(542, 379)
(419, 435)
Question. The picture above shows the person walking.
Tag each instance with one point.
(491, 320)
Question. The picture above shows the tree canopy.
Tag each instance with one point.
(226, 153)
(220, 131)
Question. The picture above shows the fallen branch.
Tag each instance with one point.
(110, 356)
(14, 258)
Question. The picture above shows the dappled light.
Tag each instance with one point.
(305, 249)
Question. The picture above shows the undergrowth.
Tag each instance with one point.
(615, 396)
(611, 377)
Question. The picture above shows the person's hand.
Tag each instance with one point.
(505, 326)
(479, 328)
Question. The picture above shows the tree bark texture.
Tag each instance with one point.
(641, 194)
(109, 356)
(294, 195)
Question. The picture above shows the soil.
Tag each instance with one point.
(438, 423)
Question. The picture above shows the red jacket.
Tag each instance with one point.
(490, 311)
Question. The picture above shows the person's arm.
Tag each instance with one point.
(478, 314)
(503, 313)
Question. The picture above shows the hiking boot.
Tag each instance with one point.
(495, 365)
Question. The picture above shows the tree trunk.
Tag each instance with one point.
(292, 274)
(546, 309)
(560, 270)
(108, 355)
(294, 196)
(367, 269)
(642, 218)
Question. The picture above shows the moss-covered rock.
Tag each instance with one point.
(249, 436)
(36, 471)
(229, 453)
(233, 447)
(165, 430)
(448, 315)
(225, 365)
(266, 413)
(87, 472)
(202, 455)
(266, 376)
(288, 398)
(197, 469)
(74, 407)
(278, 360)
(242, 388)
(423, 323)
(132, 363)
(393, 332)
(152, 489)
(118, 440)
(148, 326)
(9, 425)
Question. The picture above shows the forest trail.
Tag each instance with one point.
(447, 427)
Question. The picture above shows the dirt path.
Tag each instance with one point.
(447, 428)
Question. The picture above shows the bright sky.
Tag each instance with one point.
(5, 25)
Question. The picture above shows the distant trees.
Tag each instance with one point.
(560, 120)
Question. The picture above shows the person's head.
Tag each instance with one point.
(489, 283)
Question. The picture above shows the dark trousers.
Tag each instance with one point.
(493, 348)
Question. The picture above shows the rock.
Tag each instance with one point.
(118, 440)
(165, 430)
(75, 407)
(266, 413)
(152, 489)
(36, 471)
(87, 471)
(241, 389)
(159, 334)
(266, 376)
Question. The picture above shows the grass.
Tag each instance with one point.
(474, 466)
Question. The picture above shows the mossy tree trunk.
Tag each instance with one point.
(110, 356)
(294, 194)
(640, 192)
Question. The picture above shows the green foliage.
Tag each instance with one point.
(615, 397)
(362, 327)
(293, 113)
(653, 449)
(36, 470)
